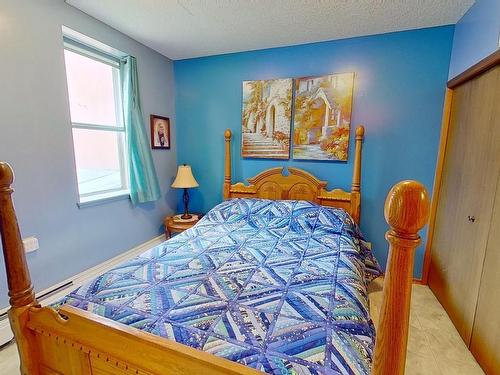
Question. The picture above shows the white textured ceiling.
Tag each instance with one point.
(190, 28)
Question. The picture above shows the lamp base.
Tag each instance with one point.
(185, 198)
(178, 219)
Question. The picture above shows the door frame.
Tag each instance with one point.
(474, 71)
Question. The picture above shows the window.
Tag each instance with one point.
(95, 102)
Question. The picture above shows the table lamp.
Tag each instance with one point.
(185, 180)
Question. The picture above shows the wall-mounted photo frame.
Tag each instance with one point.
(160, 132)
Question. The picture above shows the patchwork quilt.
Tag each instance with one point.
(279, 286)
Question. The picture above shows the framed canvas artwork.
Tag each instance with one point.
(160, 132)
(322, 117)
(266, 118)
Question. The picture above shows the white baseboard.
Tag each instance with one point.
(58, 291)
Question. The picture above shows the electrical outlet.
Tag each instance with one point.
(30, 244)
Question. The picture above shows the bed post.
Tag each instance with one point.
(406, 211)
(356, 176)
(227, 165)
(18, 277)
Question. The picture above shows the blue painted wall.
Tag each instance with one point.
(35, 137)
(476, 35)
(399, 92)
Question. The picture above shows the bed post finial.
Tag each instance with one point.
(406, 211)
(355, 210)
(18, 276)
(356, 174)
(227, 166)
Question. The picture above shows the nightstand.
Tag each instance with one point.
(174, 225)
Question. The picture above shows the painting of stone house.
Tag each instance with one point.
(322, 117)
(266, 118)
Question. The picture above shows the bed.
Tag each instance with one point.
(272, 279)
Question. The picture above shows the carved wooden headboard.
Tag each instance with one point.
(297, 184)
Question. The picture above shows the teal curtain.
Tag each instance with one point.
(144, 185)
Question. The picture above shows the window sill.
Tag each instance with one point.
(99, 199)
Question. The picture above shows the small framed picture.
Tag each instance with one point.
(160, 132)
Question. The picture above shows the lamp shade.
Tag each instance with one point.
(184, 178)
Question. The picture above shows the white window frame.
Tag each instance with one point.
(123, 191)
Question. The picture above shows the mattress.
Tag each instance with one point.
(279, 286)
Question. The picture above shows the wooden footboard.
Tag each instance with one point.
(73, 341)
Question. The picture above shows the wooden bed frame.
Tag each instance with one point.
(73, 341)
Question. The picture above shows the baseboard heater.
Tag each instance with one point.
(6, 334)
(5, 331)
(54, 291)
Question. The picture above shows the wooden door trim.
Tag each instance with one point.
(437, 183)
(474, 71)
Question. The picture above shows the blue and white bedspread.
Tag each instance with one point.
(279, 286)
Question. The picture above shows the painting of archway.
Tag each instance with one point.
(266, 119)
(322, 117)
